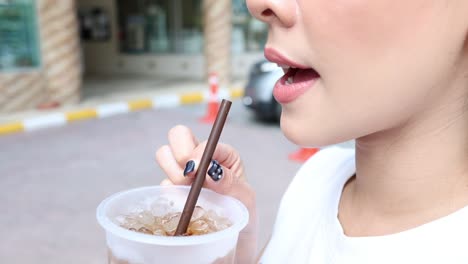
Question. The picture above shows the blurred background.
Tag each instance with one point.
(50, 50)
(66, 55)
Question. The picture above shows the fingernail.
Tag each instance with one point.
(215, 171)
(189, 167)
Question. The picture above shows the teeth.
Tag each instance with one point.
(290, 80)
(284, 67)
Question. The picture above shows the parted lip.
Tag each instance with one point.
(275, 56)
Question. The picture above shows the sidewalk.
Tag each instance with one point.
(103, 96)
(102, 89)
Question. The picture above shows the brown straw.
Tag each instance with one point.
(201, 172)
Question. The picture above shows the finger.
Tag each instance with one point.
(222, 175)
(217, 178)
(169, 165)
(221, 181)
(166, 182)
(182, 143)
(225, 154)
(230, 183)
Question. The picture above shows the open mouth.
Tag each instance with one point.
(296, 75)
(294, 83)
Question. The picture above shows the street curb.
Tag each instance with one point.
(112, 109)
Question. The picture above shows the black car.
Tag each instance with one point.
(258, 94)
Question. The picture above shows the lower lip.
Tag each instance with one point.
(286, 93)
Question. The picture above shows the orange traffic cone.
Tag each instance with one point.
(303, 154)
(213, 104)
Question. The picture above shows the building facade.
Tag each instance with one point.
(166, 37)
(39, 54)
(149, 38)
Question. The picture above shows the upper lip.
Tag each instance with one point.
(275, 56)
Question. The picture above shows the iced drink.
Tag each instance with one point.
(139, 225)
(162, 221)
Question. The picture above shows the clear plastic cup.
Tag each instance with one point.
(129, 247)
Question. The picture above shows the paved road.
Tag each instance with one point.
(51, 181)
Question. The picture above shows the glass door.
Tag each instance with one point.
(160, 26)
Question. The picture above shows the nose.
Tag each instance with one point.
(274, 12)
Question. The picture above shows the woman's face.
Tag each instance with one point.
(380, 63)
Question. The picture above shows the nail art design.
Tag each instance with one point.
(215, 171)
(189, 167)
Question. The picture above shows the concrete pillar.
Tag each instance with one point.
(217, 32)
(61, 53)
(21, 90)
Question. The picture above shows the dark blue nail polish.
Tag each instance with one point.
(214, 166)
(215, 171)
(217, 177)
(189, 167)
(220, 174)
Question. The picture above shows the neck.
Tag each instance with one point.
(414, 173)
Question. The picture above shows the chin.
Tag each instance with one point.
(304, 135)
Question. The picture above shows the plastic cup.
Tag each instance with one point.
(129, 247)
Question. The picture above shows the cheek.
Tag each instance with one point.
(381, 50)
(364, 27)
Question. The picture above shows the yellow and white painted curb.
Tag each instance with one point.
(106, 110)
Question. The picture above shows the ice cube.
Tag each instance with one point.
(170, 223)
(158, 220)
(211, 217)
(222, 223)
(120, 220)
(159, 231)
(210, 214)
(145, 230)
(202, 222)
(160, 207)
(145, 218)
(198, 227)
(198, 212)
(130, 222)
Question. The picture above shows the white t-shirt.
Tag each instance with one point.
(307, 229)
